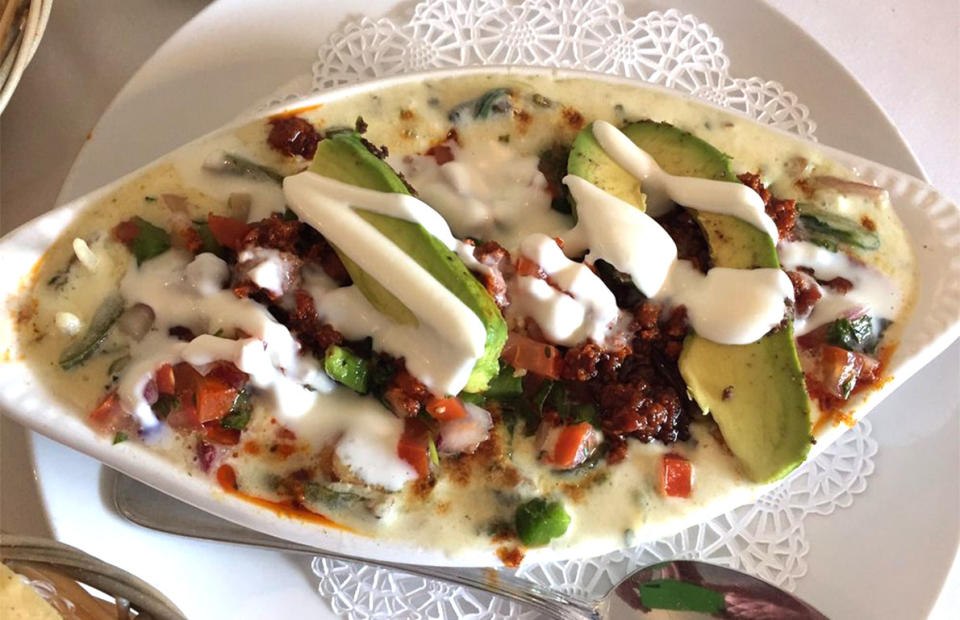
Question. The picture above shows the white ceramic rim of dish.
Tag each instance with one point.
(934, 325)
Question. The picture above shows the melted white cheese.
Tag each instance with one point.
(450, 337)
(265, 195)
(68, 322)
(366, 434)
(661, 188)
(873, 293)
(488, 191)
(583, 308)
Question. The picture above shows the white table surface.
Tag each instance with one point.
(907, 58)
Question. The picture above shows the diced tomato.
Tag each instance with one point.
(186, 380)
(190, 238)
(214, 399)
(412, 446)
(229, 374)
(185, 417)
(870, 371)
(228, 231)
(109, 416)
(166, 383)
(283, 450)
(839, 370)
(126, 232)
(215, 433)
(676, 476)
(445, 409)
(571, 444)
(537, 357)
(526, 267)
(227, 478)
(814, 338)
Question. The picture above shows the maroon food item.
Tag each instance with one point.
(783, 212)
(304, 322)
(499, 268)
(840, 285)
(406, 394)
(806, 293)
(293, 136)
(296, 238)
(688, 236)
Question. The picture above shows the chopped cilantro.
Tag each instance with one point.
(540, 398)
(317, 493)
(847, 387)
(851, 334)
(541, 101)
(150, 241)
(240, 413)
(505, 384)
(210, 243)
(120, 437)
(165, 405)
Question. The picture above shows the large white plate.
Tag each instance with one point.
(234, 52)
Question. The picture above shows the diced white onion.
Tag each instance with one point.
(85, 255)
(68, 322)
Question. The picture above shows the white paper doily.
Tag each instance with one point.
(766, 539)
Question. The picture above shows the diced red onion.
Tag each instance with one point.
(855, 312)
(150, 392)
(136, 321)
(848, 187)
(206, 454)
(239, 203)
(463, 435)
(175, 202)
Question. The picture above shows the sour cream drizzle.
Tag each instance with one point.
(328, 206)
(661, 188)
(582, 308)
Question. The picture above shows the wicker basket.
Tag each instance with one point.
(22, 23)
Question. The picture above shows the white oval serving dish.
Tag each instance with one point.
(932, 221)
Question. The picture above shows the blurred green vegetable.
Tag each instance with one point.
(80, 350)
(346, 367)
(539, 521)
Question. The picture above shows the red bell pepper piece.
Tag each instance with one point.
(676, 476)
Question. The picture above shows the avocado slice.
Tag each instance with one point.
(755, 392)
(344, 156)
